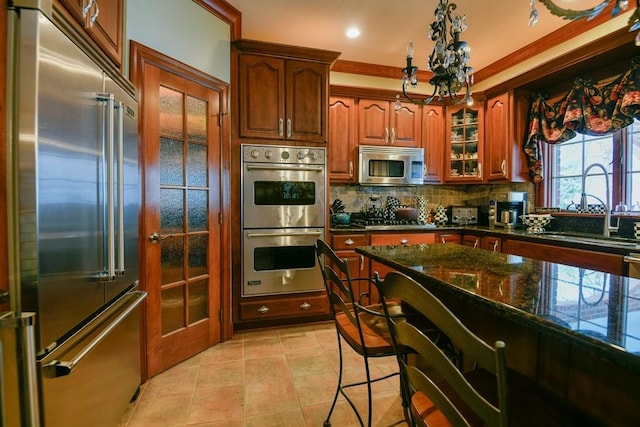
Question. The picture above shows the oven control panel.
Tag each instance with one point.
(283, 154)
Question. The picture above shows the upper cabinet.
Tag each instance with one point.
(343, 143)
(505, 127)
(433, 122)
(379, 123)
(102, 21)
(464, 144)
(283, 92)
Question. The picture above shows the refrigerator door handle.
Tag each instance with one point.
(120, 134)
(61, 368)
(111, 252)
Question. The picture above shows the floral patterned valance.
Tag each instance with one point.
(588, 109)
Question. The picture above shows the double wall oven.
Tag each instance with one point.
(283, 214)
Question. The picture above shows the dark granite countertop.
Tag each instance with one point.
(588, 241)
(598, 311)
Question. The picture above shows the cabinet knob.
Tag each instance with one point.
(502, 166)
(263, 310)
(281, 127)
(393, 135)
(386, 135)
(350, 169)
(288, 128)
(349, 242)
(305, 306)
(404, 241)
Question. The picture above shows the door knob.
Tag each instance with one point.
(155, 237)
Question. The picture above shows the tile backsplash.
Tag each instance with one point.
(356, 197)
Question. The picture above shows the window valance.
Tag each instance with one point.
(588, 109)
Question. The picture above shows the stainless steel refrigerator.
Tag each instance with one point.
(74, 200)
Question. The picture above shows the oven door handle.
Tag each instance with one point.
(277, 167)
(306, 233)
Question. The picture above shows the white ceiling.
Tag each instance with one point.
(496, 27)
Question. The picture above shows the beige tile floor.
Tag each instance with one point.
(278, 377)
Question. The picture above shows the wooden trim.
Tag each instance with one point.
(544, 44)
(608, 49)
(352, 67)
(227, 13)
(4, 249)
(286, 51)
(139, 54)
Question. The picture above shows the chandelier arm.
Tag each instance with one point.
(634, 19)
(574, 14)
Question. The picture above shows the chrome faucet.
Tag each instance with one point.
(608, 228)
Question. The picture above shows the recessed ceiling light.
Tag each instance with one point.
(353, 32)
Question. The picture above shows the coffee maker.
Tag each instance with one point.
(506, 208)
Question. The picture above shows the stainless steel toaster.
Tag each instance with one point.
(464, 215)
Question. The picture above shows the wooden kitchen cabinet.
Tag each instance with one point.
(379, 123)
(506, 119)
(283, 91)
(102, 22)
(489, 243)
(449, 237)
(294, 306)
(505, 125)
(464, 144)
(343, 143)
(433, 122)
(344, 246)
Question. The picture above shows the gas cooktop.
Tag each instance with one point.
(372, 223)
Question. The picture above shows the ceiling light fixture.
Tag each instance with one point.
(353, 32)
(620, 6)
(449, 61)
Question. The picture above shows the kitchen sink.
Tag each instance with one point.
(598, 240)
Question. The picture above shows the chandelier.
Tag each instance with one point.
(620, 6)
(449, 61)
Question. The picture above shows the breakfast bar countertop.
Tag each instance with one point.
(599, 312)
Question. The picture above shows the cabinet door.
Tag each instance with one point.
(471, 240)
(449, 238)
(306, 101)
(497, 136)
(103, 23)
(433, 122)
(464, 152)
(342, 139)
(406, 125)
(373, 122)
(261, 96)
(491, 243)
(359, 271)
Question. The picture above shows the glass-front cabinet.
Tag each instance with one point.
(464, 144)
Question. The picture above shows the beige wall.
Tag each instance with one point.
(180, 29)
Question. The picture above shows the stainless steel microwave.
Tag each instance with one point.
(383, 165)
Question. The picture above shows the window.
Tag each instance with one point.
(567, 162)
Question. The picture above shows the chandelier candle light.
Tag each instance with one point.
(449, 61)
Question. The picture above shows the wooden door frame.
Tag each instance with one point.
(141, 55)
